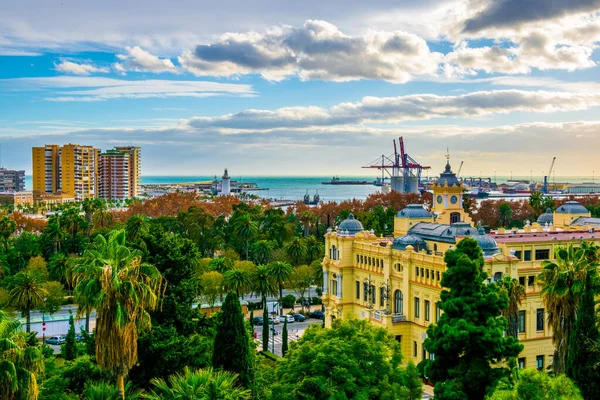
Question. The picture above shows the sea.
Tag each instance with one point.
(295, 187)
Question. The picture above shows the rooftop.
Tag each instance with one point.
(545, 236)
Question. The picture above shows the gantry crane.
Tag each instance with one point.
(545, 187)
(400, 166)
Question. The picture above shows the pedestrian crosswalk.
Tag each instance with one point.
(277, 339)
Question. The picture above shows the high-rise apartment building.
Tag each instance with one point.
(114, 175)
(46, 169)
(79, 173)
(70, 170)
(135, 158)
(12, 180)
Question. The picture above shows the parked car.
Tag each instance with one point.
(79, 338)
(299, 317)
(56, 340)
(257, 321)
(290, 318)
(273, 321)
(316, 314)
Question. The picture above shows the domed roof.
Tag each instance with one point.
(487, 243)
(448, 177)
(414, 211)
(546, 218)
(461, 229)
(572, 207)
(400, 243)
(351, 225)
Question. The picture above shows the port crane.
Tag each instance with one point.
(545, 189)
(459, 169)
(402, 169)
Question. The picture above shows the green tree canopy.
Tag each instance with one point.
(231, 350)
(202, 384)
(353, 360)
(468, 341)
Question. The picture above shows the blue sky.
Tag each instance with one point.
(306, 88)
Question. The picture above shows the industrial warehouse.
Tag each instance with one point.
(395, 282)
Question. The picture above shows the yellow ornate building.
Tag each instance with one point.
(395, 282)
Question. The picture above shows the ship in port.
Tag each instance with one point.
(315, 199)
(337, 181)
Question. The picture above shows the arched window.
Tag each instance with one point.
(454, 217)
(398, 302)
(435, 247)
(497, 276)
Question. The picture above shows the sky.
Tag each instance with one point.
(306, 88)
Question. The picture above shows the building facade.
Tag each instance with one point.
(46, 169)
(114, 175)
(135, 157)
(22, 198)
(396, 282)
(70, 169)
(12, 180)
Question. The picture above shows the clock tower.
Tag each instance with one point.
(447, 198)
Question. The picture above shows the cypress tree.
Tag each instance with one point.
(583, 347)
(265, 332)
(231, 350)
(284, 338)
(468, 342)
(252, 317)
(69, 350)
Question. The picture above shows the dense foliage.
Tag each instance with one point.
(468, 341)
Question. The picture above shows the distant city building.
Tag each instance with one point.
(114, 177)
(16, 199)
(12, 180)
(46, 168)
(70, 170)
(135, 159)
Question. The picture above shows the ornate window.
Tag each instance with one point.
(398, 302)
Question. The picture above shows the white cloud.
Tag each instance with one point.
(69, 67)
(404, 108)
(317, 50)
(71, 88)
(138, 59)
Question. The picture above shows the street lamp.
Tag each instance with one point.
(44, 322)
(368, 292)
(386, 296)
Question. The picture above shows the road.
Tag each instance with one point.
(295, 332)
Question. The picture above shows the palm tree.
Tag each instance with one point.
(19, 363)
(237, 280)
(7, 227)
(26, 293)
(536, 201)
(55, 233)
(516, 294)
(112, 279)
(202, 384)
(58, 268)
(562, 281)
(263, 284)
(107, 391)
(245, 229)
(220, 264)
(307, 219)
(262, 250)
(280, 272)
(135, 226)
(313, 248)
(296, 249)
